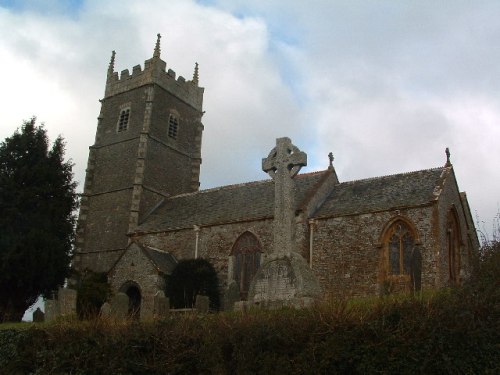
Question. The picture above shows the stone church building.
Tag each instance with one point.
(289, 237)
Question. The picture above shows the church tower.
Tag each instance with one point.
(147, 147)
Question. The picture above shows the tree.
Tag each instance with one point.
(93, 290)
(37, 206)
(192, 277)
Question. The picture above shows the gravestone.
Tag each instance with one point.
(202, 303)
(285, 277)
(231, 296)
(105, 311)
(67, 302)
(51, 310)
(161, 306)
(38, 315)
(119, 306)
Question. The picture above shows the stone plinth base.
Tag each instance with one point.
(284, 281)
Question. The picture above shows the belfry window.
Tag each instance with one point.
(173, 125)
(123, 120)
(246, 261)
(401, 244)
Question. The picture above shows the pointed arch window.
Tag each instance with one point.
(246, 255)
(402, 260)
(401, 244)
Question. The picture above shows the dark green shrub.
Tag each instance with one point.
(190, 278)
(93, 290)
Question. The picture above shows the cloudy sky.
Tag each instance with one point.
(385, 85)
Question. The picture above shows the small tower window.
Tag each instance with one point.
(123, 120)
(173, 126)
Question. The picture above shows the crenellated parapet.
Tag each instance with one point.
(155, 72)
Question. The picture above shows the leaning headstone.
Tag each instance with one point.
(202, 303)
(161, 306)
(119, 306)
(51, 310)
(105, 311)
(67, 302)
(38, 315)
(231, 296)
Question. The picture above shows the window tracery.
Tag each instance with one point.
(246, 261)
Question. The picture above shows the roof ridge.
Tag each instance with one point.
(392, 175)
(248, 183)
(223, 187)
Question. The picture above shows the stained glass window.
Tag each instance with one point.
(246, 261)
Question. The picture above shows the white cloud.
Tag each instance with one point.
(384, 85)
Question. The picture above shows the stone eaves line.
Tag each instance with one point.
(145, 187)
(169, 146)
(115, 143)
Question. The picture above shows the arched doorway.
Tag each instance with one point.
(133, 293)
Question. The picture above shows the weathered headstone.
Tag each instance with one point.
(51, 310)
(285, 277)
(119, 306)
(161, 306)
(202, 303)
(38, 315)
(231, 296)
(67, 302)
(105, 311)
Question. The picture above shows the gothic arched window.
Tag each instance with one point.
(401, 244)
(402, 257)
(246, 254)
(453, 245)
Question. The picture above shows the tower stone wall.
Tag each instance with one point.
(134, 164)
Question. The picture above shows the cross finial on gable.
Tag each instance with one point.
(330, 158)
(448, 162)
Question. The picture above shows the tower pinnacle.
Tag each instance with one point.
(111, 68)
(157, 47)
(196, 74)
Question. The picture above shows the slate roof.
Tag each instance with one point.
(382, 193)
(255, 200)
(165, 262)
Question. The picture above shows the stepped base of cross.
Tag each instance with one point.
(284, 280)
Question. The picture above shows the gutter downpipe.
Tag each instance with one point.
(196, 229)
(312, 223)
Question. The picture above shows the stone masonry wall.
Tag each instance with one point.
(215, 243)
(135, 267)
(449, 197)
(347, 252)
